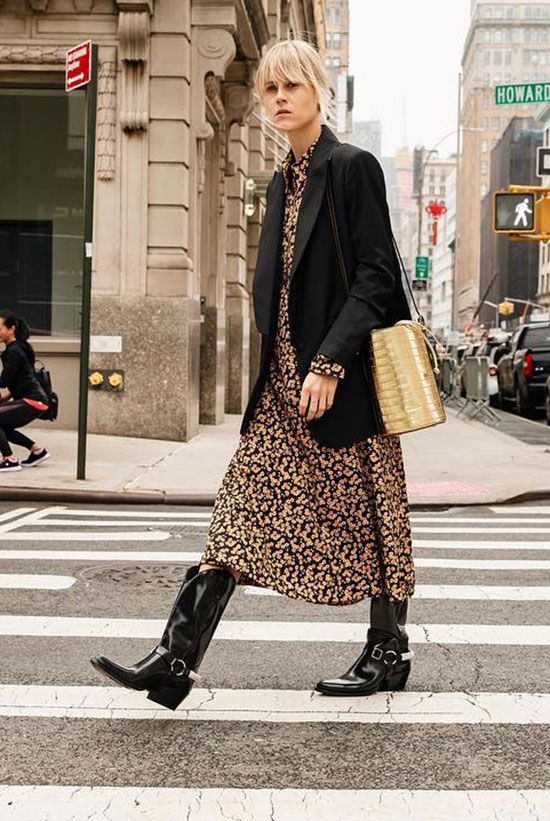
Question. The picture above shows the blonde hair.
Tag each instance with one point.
(297, 61)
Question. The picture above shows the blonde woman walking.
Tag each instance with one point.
(313, 503)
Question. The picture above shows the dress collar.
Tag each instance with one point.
(290, 165)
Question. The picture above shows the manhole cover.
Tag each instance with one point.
(148, 575)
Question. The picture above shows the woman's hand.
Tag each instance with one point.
(317, 389)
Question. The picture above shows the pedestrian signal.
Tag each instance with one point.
(513, 213)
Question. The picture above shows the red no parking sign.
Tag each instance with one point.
(78, 66)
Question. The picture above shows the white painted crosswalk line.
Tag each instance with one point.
(34, 581)
(171, 556)
(454, 591)
(177, 557)
(124, 523)
(278, 706)
(135, 514)
(459, 529)
(288, 631)
(484, 564)
(68, 803)
(449, 544)
(522, 511)
(65, 536)
(31, 518)
(481, 520)
(14, 514)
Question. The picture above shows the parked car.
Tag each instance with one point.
(524, 367)
(493, 347)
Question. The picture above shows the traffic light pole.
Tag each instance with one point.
(91, 116)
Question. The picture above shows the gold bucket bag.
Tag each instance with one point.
(403, 363)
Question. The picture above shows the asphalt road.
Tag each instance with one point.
(468, 739)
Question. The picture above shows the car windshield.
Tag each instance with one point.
(537, 338)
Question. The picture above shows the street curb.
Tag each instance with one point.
(161, 497)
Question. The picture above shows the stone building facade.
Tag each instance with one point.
(183, 158)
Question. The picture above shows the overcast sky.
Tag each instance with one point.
(408, 50)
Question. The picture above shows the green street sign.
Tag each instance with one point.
(527, 93)
(422, 268)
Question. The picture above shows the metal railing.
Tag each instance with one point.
(476, 384)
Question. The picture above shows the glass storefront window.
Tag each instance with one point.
(41, 207)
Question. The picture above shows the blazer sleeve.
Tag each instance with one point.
(374, 282)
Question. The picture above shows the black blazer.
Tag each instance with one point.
(322, 317)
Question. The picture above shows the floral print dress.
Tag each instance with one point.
(320, 524)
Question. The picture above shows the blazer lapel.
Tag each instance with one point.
(269, 249)
(314, 190)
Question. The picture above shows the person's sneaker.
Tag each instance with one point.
(6, 465)
(35, 458)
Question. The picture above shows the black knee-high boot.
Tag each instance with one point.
(170, 669)
(384, 663)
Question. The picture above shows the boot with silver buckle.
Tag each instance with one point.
(384, 663)
(169, 671)
(380, 666)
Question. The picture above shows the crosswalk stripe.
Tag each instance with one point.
(487, 520)
(134, 514)
(34, 581)
(279, 706)
(171, 556)
(449, 544)
(508, 530)
(67, 803)
(484, 564)
(522, 510)
(454, 591)
(177, 557)
(288, 631)
(14, 514)
(124, 523)
(32, 518)
(65, 536)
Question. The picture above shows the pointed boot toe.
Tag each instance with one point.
(147, 673)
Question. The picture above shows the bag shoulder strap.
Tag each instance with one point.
(339, 251)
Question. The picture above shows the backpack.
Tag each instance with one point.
(45, 381)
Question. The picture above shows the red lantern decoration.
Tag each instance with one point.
(436, 210)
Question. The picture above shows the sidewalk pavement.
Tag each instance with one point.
(459, 462)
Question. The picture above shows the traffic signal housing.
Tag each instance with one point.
(522, 212)
(514, 213)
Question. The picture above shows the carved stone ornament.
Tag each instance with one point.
(213, 50)
(32, 55)
(83, 5)
(133, 37)
(106, 119)
(38, 5)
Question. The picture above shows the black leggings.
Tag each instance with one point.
(14, 415)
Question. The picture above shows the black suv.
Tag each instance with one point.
(524, 368)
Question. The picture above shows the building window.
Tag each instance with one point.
(483, 189)
(41, 218)
(431, 190)
(483, 166)
(484, 146)
(495, 123)
(336, 39)
(336, 62)
(497, 58)
(441, 190)
(487, 58)
(508, 58)
(485, 123)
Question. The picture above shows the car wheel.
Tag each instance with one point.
(523, 408)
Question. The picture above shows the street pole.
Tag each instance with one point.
(89, 179)
(454, 300)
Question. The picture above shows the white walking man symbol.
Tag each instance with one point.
(522, 209)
